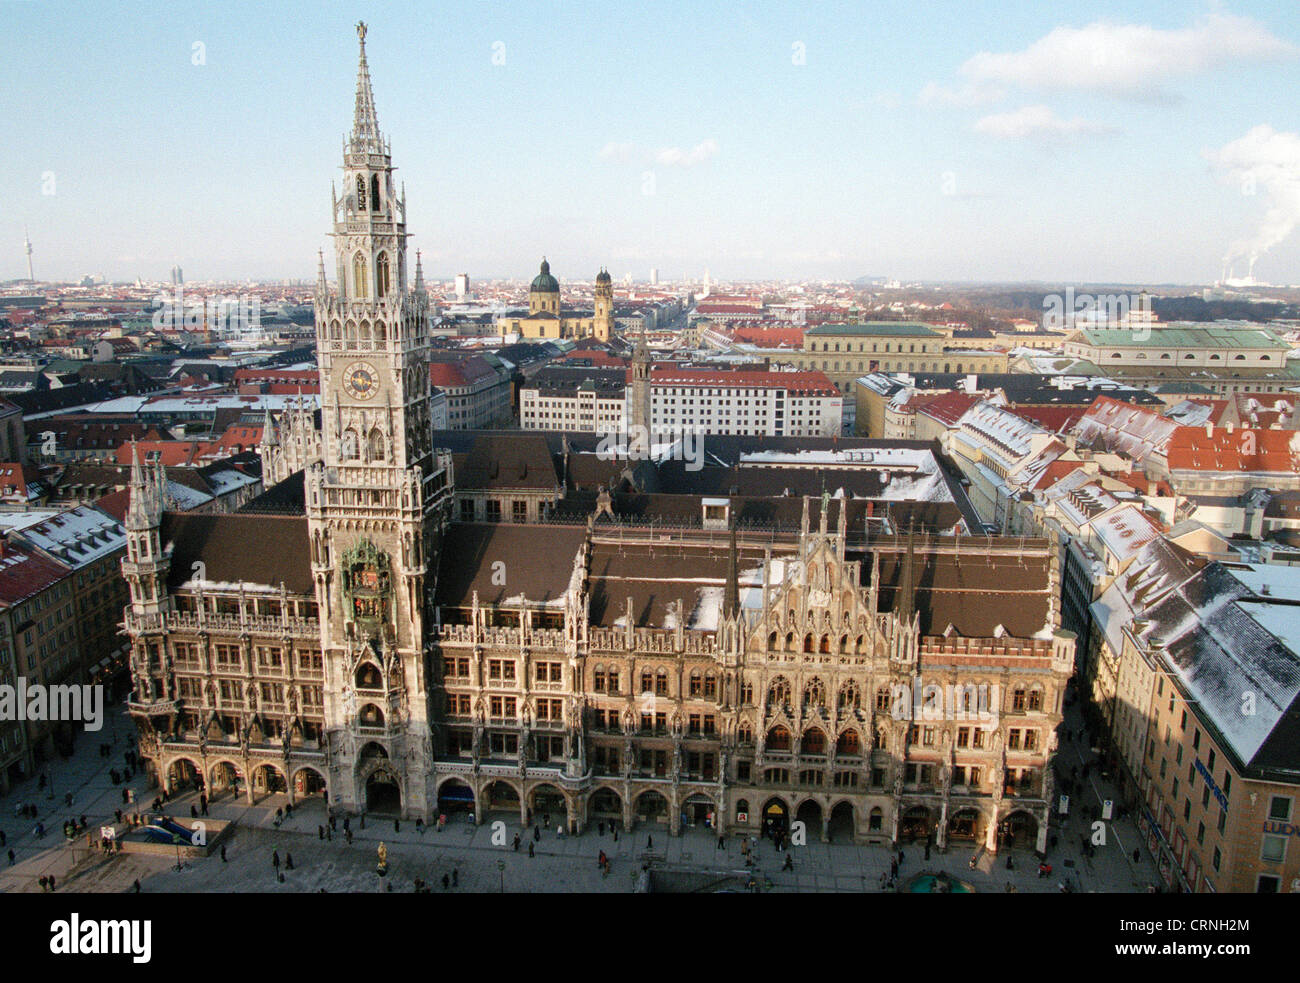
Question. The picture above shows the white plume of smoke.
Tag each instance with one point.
(1264, 162)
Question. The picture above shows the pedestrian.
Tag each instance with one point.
(2, 837)
(789, 862)
(615, 829)
(329, 835)
(537, 834)
(516, 843)
(900, 858)
(347, 824)
(884, 879)
(320, 832)
(194, 813)
(203, 804)
(135, 885)
(419, 825)
(446, 882)
(1137, 855)
(275, 859)
(347, 835)
(51, 882)
(223, 853)
(893, 868)
(927, 851)
(721, 843)
(600, 831)
(11, 857)
(600, 860)
(649, 842)
(530, 850)
(455, 877)
(288, 861)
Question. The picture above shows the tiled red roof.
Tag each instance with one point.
(810, 383)
(769, 337)
(25, 573)
(1235, 450)
(1057, 419)
(174, 453)
(463, 372)
(950, 407)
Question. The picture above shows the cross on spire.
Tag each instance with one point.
(365, 124)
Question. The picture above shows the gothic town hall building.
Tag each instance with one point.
(349, 633)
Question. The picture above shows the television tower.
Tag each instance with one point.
(28, 242)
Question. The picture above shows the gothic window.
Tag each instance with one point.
(825, 646)
(661, 683)
(778, 739)
(745, 733)
(814, 742)
(808, 642)
(882, 698)
(1018, 699)
(1035, 699)
(850, 696)
(778, 694)
(376, 445)
(771, 641)
(348, 445)
(697, 683)
(360, 278)
(710, 686)
(381, 275)
(814, 695)
(361, 192)
(849, 743)
(374, 192)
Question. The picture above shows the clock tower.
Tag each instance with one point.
(377, 499)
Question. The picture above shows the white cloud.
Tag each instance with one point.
(1264, 162)
(1132, 61)
(965, 96)
(628, 153)
(676, 157)
(1036, 121)
(620, 152)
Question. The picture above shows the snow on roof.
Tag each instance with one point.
(1222, 650)
(79, 536)
(183, 498)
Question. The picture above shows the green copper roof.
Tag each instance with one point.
(1184, 336)
(876, 328)
(544, 283)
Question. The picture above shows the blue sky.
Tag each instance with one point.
(964, 140)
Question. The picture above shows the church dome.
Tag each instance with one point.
(544, 283)
(603, 277)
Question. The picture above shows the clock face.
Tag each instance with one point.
(360, 380)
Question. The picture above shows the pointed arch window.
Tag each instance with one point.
(376, 445)
(348, 445)
(360, 277)
(381, 275)
(361, 192)
(374, 192)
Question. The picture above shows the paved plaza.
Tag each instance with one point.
(559, 865)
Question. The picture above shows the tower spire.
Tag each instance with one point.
(365, 124)
(419, 274)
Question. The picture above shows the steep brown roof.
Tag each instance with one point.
(973, 591)
(536, 562)
(257, 549)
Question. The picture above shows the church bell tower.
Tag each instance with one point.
(374, 500)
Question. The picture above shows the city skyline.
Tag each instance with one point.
(758, 159)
